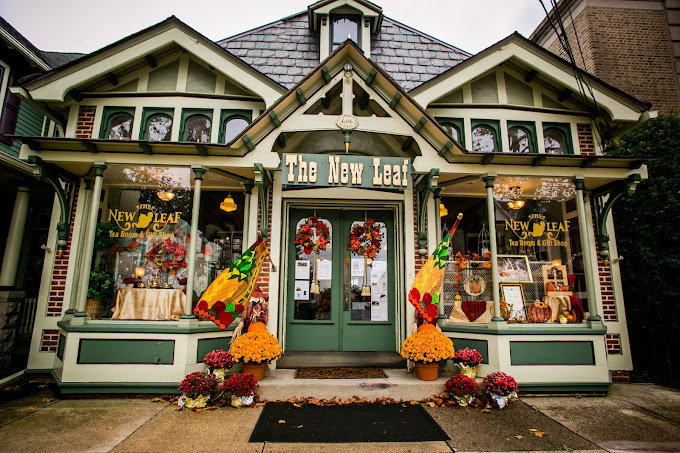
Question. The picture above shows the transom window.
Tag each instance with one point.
(342, 28)
(198, 129)
(233, 127)
(120, 127)
(159, 128)
(453, 131)
(518, 139)
(483, 140)
(554, 142)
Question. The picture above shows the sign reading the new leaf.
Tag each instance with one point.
(316, 170)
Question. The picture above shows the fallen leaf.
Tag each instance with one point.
(109, 427)
(297, 405)
(431, 404)
(538, 433)
(282, 421)
(198, 411)
(486, 411)
(47, 400)
(298, 427)
(518, 437)
(414, 402)
(31, 408)
(157, 400)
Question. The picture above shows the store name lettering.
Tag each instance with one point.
(351, 171)
(154, 221)
(531, 232)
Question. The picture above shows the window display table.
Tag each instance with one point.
(148, 304)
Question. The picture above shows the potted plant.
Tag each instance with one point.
(427, 348)
(218, 362)
(467, 360)
(99, 293)
(499, 386)
(196, 388)
(254, 350)
(241, 388)
(462, 388)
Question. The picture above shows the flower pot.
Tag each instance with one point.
(240, 401)
(427, 371)
(196, 403)
(256, 369)
(464, 400)
(467, 370)
(218, 373)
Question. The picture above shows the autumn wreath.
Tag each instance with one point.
(312, 227)
(365, 240)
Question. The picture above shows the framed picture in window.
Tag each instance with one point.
(555, 274)
(514, 269)
(513, 295)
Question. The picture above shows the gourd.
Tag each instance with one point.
(426, 326)
(549, 287)
(539, 312)
(256, 326)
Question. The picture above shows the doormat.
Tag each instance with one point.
(340, 373)
(283, 422)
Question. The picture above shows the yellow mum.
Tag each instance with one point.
(256, 347)
(427, 346)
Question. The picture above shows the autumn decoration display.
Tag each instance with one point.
(566, 317)
(500, 386)
(313, 235)
(427, 348)
(539, 312)
(218, 362)
(462, 388)
(240, 388)
(467, 360)
(196, 388)
(254, 350)
(365, 240)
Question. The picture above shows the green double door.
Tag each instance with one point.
(338, 300)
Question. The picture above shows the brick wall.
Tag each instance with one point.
(85, 123)
(50, 339)
(585, 139)
(55, 300)
(629, 49)
(263, 278)
(613, 343)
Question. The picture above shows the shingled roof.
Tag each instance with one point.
(287, 50)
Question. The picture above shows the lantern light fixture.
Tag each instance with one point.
(228, 204)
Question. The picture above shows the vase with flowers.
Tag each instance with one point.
(427, 348)
(254, 350)
(500, 386)
(241, 388)
(462, 388)
(196, 388)
(467, 360)
(218, 362)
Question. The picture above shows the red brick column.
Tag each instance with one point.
(85, 123)
(585, 139)
(55, 300)
(263, 278)
(50, 339)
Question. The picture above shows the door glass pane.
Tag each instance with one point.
(368, 247)
(313, 269)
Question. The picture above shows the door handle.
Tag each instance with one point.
(346, 283)
(346, 306)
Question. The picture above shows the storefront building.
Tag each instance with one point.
(185, 151)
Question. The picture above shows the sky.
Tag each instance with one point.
(87, 25)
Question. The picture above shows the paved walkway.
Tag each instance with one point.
(633, 417)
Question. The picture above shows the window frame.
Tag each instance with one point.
(457, 123)
(150, 112)
(565, 130)
(356, 18)
(493, 125)
(228, 115)
(530, 128)
(109, 114)
(187, 115)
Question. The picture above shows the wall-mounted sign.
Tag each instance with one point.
(317, 170)
(145, 218)
(537, 231)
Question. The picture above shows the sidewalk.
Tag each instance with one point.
(633, 417)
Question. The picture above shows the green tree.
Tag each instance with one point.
(648, 236)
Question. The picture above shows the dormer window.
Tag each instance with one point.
(343, 27)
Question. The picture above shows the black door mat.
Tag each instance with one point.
(340, 373)
(283, 422)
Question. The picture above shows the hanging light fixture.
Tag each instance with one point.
(514, 194)
(442, 210)
(228, 204)
(165, 195)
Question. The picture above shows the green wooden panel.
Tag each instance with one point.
(101, 351)
(482, 346)
(61, 346)
(485, 89)
(206, 345)
(552, 353)
(29, 123)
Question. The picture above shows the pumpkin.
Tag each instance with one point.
(256, 326)
(565, 288)
(539, 312)
(426, 326)
(549, 287)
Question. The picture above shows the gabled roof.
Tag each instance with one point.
(317, 82)
(10, 34)
(286, 50)
(620, 105)
(54, 85)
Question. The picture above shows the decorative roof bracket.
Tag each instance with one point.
(263, 181)
(425, 187)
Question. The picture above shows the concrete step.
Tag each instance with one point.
(280, 384)
(315, 359)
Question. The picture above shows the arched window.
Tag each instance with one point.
(232, 127)
(120, 127)
(453, 131)
(197, 129)
(483, 139)
(159, 128)
(519, 140)
(554, 141)
(344, 27)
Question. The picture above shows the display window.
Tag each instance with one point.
(143, 241)
(539, 262)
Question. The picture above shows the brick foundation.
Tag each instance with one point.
(621, 376)
(85, 124)
(50, 340)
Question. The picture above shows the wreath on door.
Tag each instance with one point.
(311, 228)
(365, 240)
